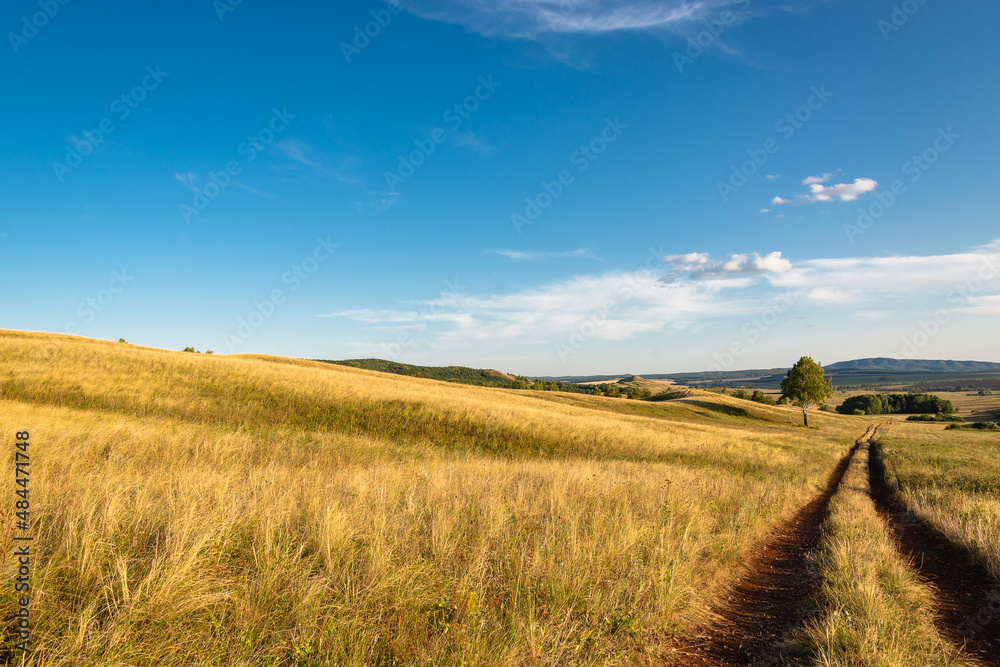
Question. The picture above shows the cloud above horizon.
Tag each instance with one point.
(839, 192)
(690, 288)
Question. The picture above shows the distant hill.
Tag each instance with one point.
(914, 366)
(879, 369)
(460, 374)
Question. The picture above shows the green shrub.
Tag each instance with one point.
(889, 404)
(859, 412)
(760, 397)
(986, 426)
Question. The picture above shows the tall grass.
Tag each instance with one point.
(952, 479)
(875, 612)
(247, 510)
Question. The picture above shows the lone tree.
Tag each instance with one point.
(806, 385)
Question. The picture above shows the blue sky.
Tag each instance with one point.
(542, 186)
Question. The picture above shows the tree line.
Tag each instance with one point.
(891, 404)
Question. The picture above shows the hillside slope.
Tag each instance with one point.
(460, 374)
(261, 510)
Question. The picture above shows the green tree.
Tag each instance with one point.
(806, 385)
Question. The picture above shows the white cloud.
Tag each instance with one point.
(524, 255)
(871, 315)
(822, 178)
(688, 261)
(843, 192)
(982, 305)
(701, 266)
(840, 191)
(771, 177)
(531, 19)
(691, 288)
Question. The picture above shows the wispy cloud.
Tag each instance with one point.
(530, 19)
(188, 179)
(524, 255)
(469, 139)
(307, 155)
(693, 288)
(297, 150)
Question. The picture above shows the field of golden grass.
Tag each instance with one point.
(875, 611)
(193, 509)
(952, 479)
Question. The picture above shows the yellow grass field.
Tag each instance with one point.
(952, 479)
(250, 510)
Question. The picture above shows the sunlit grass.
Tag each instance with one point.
(952, 479)
(874, 611)
(251, 510)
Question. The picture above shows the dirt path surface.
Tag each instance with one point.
(768, 603)
(967, 596)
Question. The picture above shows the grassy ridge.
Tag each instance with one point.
(460, 374)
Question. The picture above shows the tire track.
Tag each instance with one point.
(768, 603)
(967, 595)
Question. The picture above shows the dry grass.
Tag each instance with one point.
(952, 479)
(251, 510)
(875, 611)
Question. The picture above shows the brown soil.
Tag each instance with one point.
(769, 602)
(967, 595)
